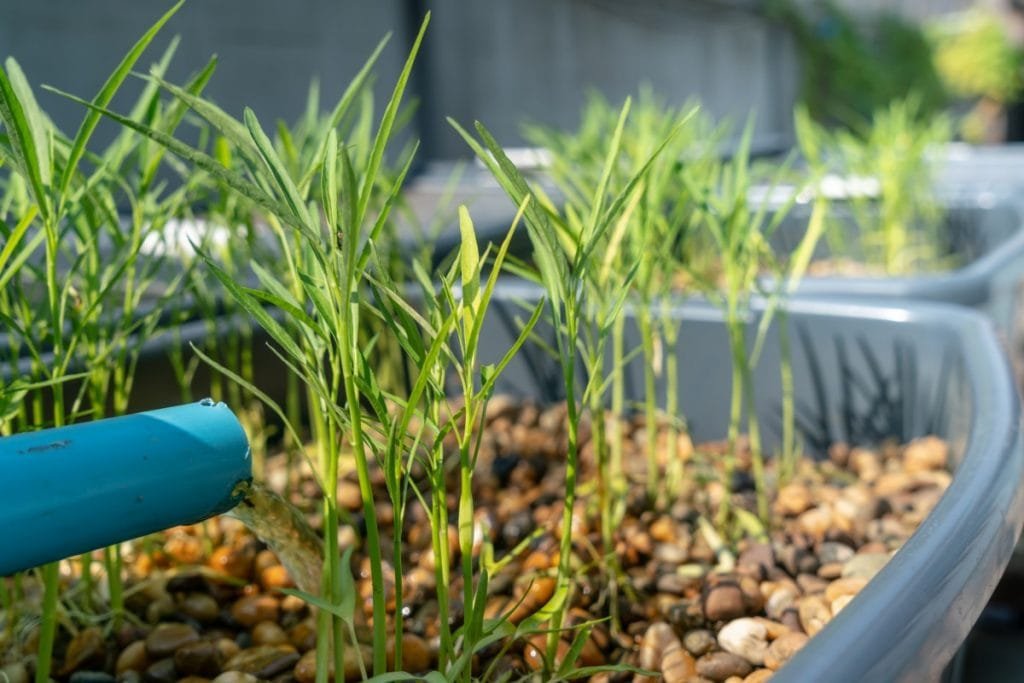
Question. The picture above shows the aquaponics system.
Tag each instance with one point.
(646, 394)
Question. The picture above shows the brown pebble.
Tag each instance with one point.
(201, 607)
(252, 609)
(759, 676)
(166, 638)
(782, 648)
(537, 595)
(415, 653)
(718, 666)
(809, 583)
(774, 629)
(865, 464)
(832, 570)
(275, 577)
(269, 633)
(200, 658)
(793, 499)
(724, 602)
(536, 647)
(699, 642)
(892, 483)
(663, 529)
(292, 603)
(194, 679)
(926, 453)
(814, 614)
(756, 560)
(184, 548)
(162, 671)
(349, 496)
(303, 635)
(235, 562)
(677, 665)
(847, 586)
(263, 661)
(85, 650)
(227, 648)
(132, 658)
(839, 603)
(235, 677)
(160, 608)
(753, 599)
(815, 522)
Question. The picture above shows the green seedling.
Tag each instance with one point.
(327, 248)
(888, 185)
(64, 196)
(566, 252)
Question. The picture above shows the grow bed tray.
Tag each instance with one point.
(862, 373)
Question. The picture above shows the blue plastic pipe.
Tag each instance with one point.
(70, 490)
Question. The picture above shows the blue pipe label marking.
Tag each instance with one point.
(52, 446)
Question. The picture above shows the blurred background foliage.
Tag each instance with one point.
(856, 62)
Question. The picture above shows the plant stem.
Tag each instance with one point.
(366, 492)
(674, 473)
(568, 354)
(650, 400)
(788, 463)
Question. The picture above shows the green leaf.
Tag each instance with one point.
(253, 307)
(23, 144)
(285, 184)
(174, 117)
(105, 95)
(200, 159)
(37, 121)
(343, 104)
(14, 238)
(329, 181)
(387, 123)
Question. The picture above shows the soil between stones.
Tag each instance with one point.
(205, 604)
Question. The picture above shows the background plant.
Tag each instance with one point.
(327, 246)
(581, 313)
(975, 58)
(856, 63)
(71, 322)
(742, 232)
(885, 169)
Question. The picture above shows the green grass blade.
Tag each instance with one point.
(105, 95)
(38, 123)
(122, 144)
(387, 122)
(285, 184)
(329, 181)
(232, 129)
(23, 144)
(200, 159)
(355, 86)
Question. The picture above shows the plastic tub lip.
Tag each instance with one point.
(968, 284)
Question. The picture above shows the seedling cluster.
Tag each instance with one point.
(383, 353)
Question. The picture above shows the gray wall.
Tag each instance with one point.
(268, 49)
(502, 60)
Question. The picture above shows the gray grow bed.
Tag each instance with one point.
(862, 373)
